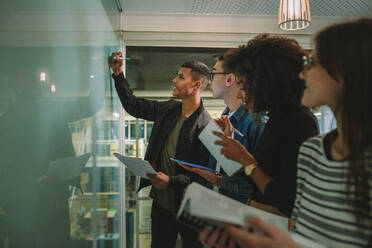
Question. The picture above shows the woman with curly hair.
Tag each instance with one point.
(334, 180)
(267, 68)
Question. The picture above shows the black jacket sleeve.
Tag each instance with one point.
(180, 181)
(135, 106)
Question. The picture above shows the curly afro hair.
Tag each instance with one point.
(268, 67)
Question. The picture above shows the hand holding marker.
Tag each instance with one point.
(120, 58)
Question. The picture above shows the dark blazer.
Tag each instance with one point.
(165, 115)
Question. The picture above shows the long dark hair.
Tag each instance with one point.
(345, 51)
(269, 68)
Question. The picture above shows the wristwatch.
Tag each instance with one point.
(218, 179)
(248, 170)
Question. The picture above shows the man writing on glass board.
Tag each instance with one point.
(177, 125)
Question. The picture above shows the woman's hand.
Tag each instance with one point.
(234, 150)
(216, 238)
(207, 175)
(273, 237)
(224, 123)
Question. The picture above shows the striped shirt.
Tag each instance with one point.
(321, 211)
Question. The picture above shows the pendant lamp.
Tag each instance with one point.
(294, 14)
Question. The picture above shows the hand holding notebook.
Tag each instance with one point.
(208, 138)
(205, 172)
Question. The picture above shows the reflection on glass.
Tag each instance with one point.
(53, 81)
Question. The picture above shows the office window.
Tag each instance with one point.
(56, 104)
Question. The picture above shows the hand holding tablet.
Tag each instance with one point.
(191, 164)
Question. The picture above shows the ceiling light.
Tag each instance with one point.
(294, 14)
(42, 76)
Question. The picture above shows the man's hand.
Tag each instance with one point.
(159, 180)
(207, 175)
(117, 63)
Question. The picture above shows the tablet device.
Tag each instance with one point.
(191, 164)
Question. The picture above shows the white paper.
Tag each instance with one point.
(67, 168)
(138, 166)
(208, 139)
(210, 205)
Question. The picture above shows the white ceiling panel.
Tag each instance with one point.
(157, 6)
(235, 7)
(341, 8)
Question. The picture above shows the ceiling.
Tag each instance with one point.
(340, 8)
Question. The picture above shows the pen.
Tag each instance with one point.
(239, 133)
(119, 58)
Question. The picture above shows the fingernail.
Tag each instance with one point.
(247, 216)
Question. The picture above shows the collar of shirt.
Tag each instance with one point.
(238, 115)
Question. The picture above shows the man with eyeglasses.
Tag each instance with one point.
(224, 85)
(177, 125)
(247, 129)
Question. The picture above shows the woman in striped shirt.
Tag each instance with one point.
(334, 181)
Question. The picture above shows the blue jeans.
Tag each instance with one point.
(238, 187)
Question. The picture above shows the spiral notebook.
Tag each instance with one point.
(202, 207)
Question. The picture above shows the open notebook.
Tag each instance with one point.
(202, 207)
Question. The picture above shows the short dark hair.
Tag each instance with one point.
(268, 66)
(221, 58)
(199, 71)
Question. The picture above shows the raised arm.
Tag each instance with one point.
(135, 106)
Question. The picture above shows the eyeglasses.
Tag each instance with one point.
(308, 62)
(214, 73)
